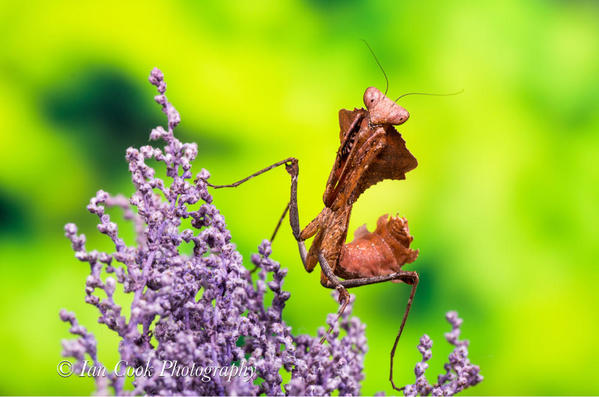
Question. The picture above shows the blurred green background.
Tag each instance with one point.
(504, 205)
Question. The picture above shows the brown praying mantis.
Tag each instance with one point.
(370, 151)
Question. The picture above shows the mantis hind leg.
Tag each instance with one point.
(330, 280)
(410, 278)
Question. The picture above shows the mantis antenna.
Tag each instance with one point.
(380, 66)
(426, 93)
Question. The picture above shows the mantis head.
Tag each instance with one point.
(382, 109)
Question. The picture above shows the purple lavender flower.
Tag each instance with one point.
(460, 373)
(201, 310)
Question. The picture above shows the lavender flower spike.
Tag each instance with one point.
(460, 373)
(200, 310)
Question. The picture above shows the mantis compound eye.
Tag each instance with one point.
(371, 97)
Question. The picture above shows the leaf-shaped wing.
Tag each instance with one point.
(392, 163)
